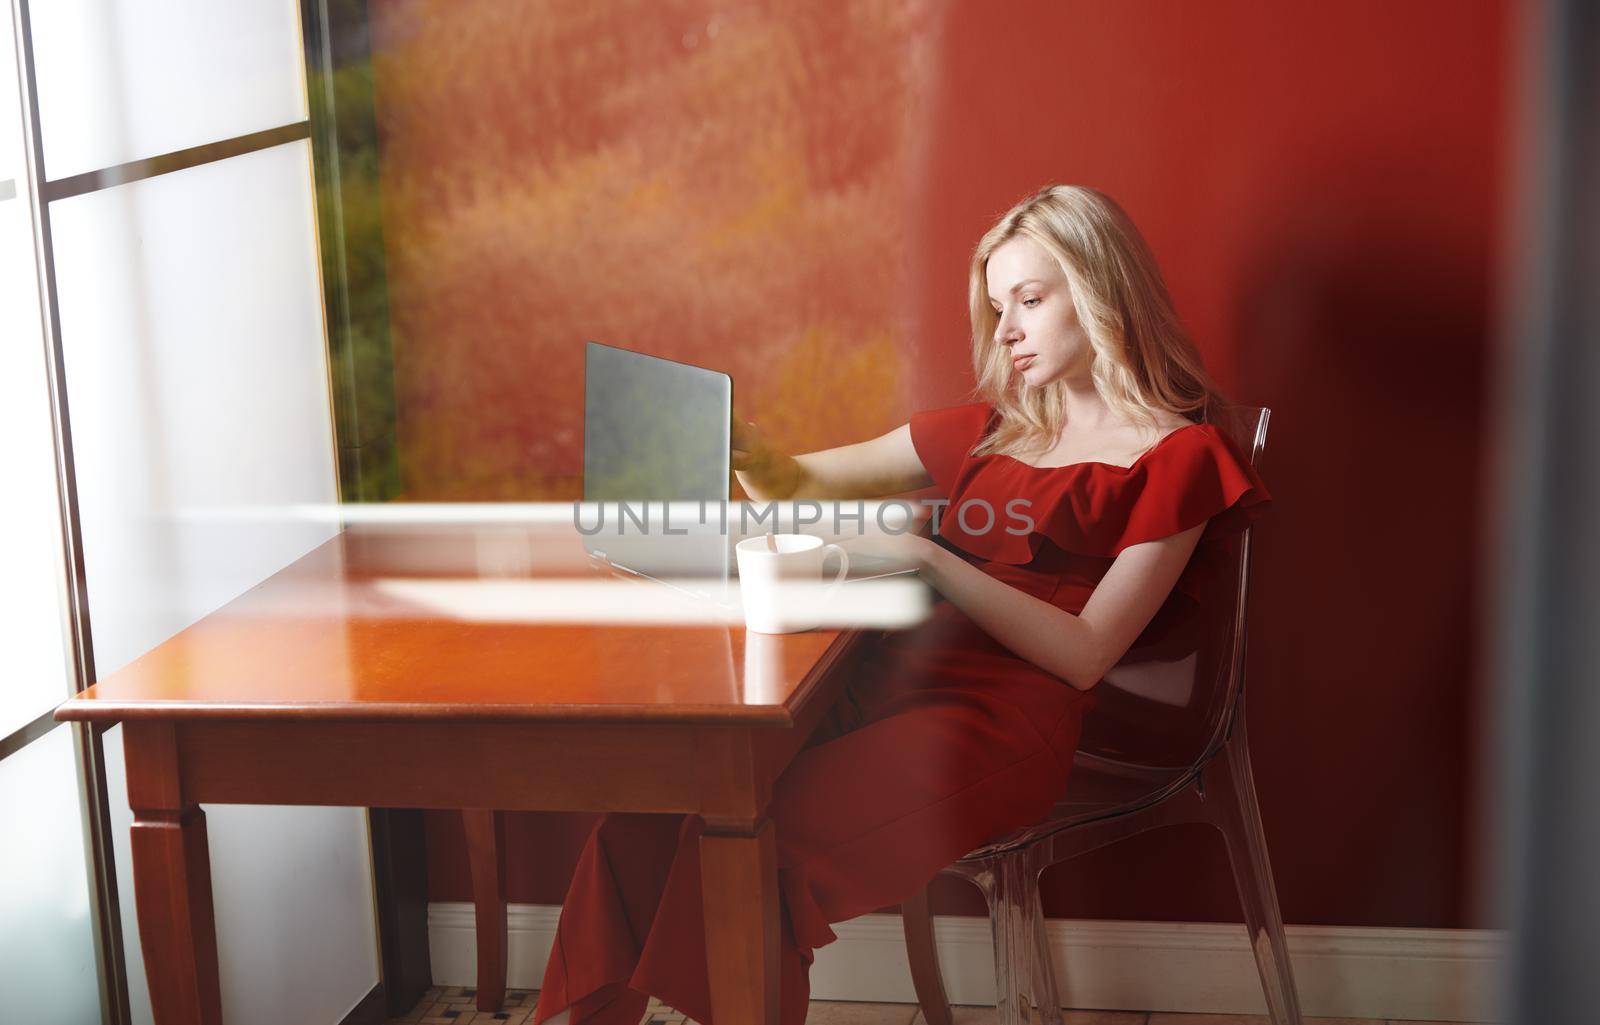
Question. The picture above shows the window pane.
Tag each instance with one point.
(32, 631)
(120, 80)
(192, 327)
(47, 967)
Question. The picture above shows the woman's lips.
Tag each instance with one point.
(1021, 362)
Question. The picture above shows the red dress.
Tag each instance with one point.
(943, 740)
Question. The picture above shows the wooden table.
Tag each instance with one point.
(342, 680)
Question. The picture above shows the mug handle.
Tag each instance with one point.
(844, 569)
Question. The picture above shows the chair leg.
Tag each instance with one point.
(1023, 976)
(1045, 995)
(917, 919)
(1231, 791)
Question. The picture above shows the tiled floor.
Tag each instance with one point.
(455, 1006)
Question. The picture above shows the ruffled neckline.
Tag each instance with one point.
(1096, 508)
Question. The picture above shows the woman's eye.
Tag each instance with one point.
(1030, 302)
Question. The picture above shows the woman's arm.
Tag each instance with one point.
(1079, 649)
(885, 465)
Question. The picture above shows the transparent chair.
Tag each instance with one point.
(1164, 745)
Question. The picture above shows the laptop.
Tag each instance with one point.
(656, 438)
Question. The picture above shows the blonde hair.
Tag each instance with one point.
(1143, 359)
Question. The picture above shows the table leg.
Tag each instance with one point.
(171, 883)
(486, 858)
(739, 887)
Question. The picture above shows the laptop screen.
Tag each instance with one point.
(653, 429)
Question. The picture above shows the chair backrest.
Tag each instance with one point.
(1171, 700)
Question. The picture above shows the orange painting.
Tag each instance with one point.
(712, 182)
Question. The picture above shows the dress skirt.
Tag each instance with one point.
(941, 741)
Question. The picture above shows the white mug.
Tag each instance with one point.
(782, 591)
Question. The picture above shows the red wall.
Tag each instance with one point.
(1320, 183)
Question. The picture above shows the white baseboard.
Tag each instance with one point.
(1340, 971)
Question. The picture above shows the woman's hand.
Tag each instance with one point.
(765, 473)
(750, 450)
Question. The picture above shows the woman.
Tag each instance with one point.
(1095, 413)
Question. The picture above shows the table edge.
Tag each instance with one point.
(110, 711)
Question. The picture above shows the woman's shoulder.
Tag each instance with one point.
(962, 418)
(944, 436)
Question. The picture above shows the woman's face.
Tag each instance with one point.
(1038, 321)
